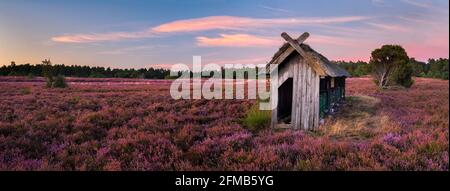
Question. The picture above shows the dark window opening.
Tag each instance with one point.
(323, 97)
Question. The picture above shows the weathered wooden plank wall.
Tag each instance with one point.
(305, 96)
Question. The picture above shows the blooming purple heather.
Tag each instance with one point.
(99, 126)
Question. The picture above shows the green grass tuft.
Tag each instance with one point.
(257, 120)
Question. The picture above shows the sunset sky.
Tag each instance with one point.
(138, 33)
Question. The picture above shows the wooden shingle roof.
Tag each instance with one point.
(331, 69)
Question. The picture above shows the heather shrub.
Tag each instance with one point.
(188, 135)
(238, 160)
(108, 118)
(208, 152)
(257, 120)
(26, 91)
(225, 131)
(115, 126)
(266, 159)
(205, 153)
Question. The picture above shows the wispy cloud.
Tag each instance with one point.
(247, 40)
(389, 27)
(417, 4)
(238, 40)
(275, 9)
(426, 5)
(94, 37)
(253, 60)
(241, 23)
(204, 24)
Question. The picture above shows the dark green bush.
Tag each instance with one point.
(403, 75)
(56, 82)
(60, 82)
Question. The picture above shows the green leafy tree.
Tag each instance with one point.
(47, 72)
(402, 75)
(419, 68)
(438, 68)
(385, 61)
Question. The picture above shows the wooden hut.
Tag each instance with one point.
(309, 85)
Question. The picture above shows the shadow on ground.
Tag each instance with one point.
(356, 119)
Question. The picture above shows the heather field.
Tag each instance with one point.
(119, 124)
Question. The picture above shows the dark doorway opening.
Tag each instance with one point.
(285, 101)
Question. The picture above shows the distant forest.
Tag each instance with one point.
(100, 72)
(83, 71)
(435, 68)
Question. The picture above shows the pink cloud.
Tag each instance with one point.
(238, 40)
(253, 60)
(389, 27)
(231, 22)
(247, 40)
(87, 38)
(203, 24)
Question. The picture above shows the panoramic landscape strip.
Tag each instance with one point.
(253, 86)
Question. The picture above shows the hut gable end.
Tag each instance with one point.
(308, 85)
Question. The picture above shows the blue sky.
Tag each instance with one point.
(138, 33)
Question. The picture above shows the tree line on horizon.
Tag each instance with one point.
(101, 72)
(32, 70)
(435, 68)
